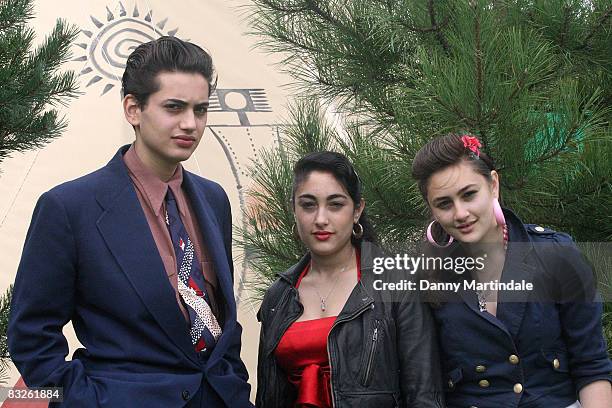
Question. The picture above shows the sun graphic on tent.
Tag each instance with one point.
(111, 42)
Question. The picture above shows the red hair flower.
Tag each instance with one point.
(471, 143)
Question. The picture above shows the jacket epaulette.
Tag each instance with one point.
(539, 233)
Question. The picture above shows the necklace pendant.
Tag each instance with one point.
(322, 305)
(482, 301)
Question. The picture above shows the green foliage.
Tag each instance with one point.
(5, 308)
(31, 83)
(528, 77)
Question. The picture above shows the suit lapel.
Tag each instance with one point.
(126, 231)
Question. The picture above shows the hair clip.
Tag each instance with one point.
(472, 144)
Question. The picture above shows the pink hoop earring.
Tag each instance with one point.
(499, 214)
(501, 221)
(432, 241)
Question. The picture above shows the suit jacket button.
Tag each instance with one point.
(481, 369)
(451, 384)
(518, 388)
(556, 364)
(513, 359)
(484, 383)
(186, 394)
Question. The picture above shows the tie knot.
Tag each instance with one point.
(170, 195)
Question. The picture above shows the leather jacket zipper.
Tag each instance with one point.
(366, 378)
(329, 350)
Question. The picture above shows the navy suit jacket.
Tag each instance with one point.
(90, 258)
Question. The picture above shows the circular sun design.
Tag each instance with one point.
(110, 43)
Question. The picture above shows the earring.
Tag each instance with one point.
(358, 234)
(499, 214)
(294, 231)
(501, 221)
(433, 241)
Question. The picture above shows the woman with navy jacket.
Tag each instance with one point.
(538, 348)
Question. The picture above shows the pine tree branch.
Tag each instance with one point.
(314, 6)
(460, 114)
(273, 5)
(432, 18)
(549, 154)
(425, 30)
(519, 86)
(596, 28)
(478, 53)
(15, 13)
(383, 201)
(5, 310)
(564, 27)
(576, 199)
(295, 43)
(554, 152)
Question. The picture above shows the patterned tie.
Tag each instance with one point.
(205, 329)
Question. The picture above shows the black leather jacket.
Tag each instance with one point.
(382, 348)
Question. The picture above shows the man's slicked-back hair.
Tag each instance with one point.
(165, 54)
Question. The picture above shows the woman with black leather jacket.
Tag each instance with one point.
(328, 338)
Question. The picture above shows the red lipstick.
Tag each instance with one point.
(322, 235)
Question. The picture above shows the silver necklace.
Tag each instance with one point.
(324, 299)
(481, 294)
(482, 300)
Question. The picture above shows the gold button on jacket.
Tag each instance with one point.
(556, 363)
(484, 383)
(481, 369)
(518, 388)
(513, 359)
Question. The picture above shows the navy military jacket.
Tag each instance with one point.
(532, 354)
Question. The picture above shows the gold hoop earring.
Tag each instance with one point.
(359, 233)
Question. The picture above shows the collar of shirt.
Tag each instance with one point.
(153, 188)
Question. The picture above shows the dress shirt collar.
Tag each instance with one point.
(153, 188)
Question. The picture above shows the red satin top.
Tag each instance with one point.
(302, 354)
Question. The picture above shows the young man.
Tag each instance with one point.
(138, 256)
